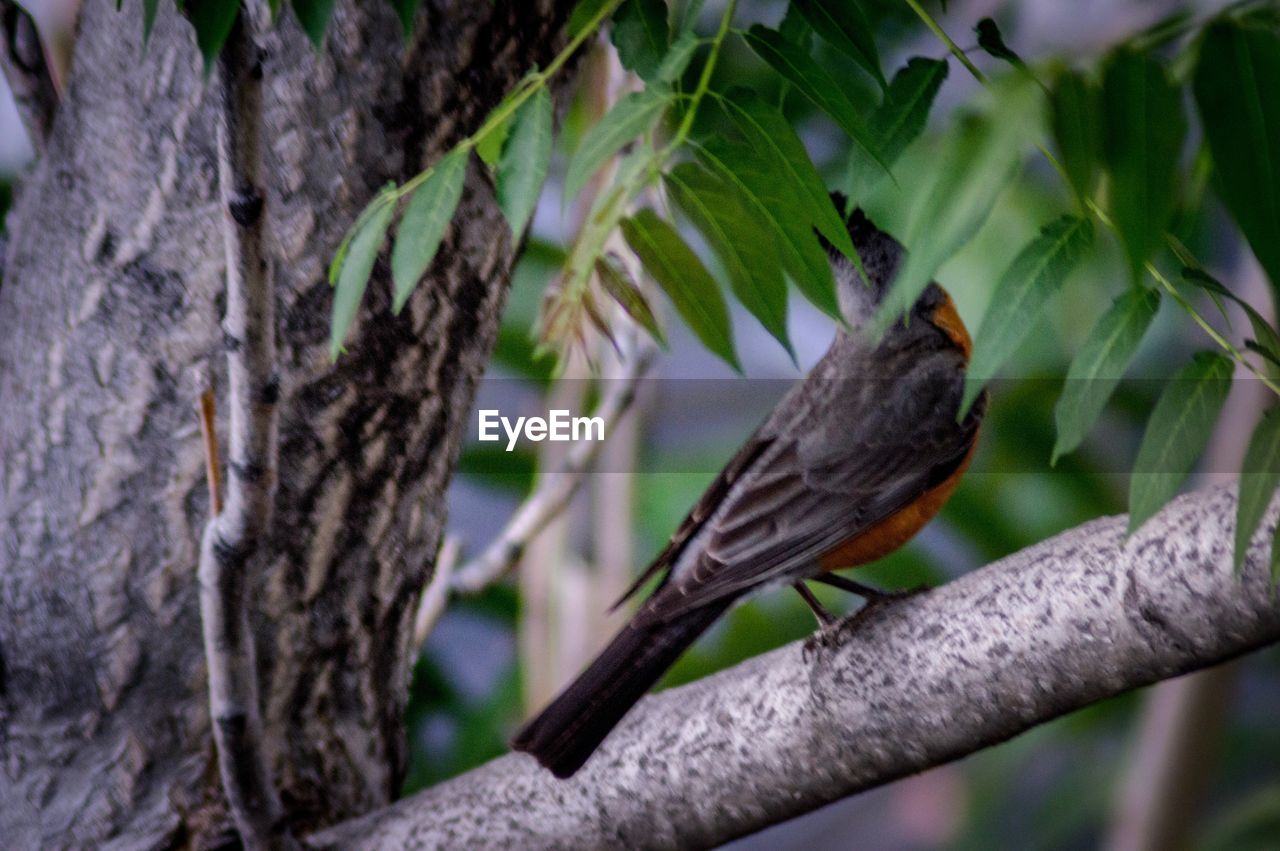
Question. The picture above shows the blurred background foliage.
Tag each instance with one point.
(495, 657)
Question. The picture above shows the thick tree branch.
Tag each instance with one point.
(25, 65)
(234, 535)
(919, 682)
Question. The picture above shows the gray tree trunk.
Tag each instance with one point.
(109, 329)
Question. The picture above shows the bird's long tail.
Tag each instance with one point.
(569, 730)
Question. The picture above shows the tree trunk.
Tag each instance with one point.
(109, 330)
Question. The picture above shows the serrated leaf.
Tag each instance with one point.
(357, 266)
(630, 117)
(1142, 138)
(990, 40)
(641, 35)
(1074, 112)
(406, 10)
(1022, 294)
(774, 204)
(677, 58)
(678, 271)
(809, 78)
(844, 25)
(1259, 478)
(1239, 102)
(1177, 433)
(897, 122)
(526, 156)
(212, 20)
(314, 17)
(1099, 365)
(769, 132)
(748, 254)
(428, 214)
(618, 284)
(975, 168)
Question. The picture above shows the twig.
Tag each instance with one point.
(434, 598)
(234, 536)
(557, 489)
(26, 66)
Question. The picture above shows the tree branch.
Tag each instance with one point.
(918, 682)
(234, 535)
(25, 65)
(555, 491)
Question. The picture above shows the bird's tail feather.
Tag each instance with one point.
(570, 729)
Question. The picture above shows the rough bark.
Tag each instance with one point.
(109, 328)
(914, 684)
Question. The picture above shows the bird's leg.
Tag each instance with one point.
(873, 596)
(864, 591)
(827, 622)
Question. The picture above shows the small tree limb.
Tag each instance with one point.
(915, 683)
(557, 489)
(234, 535)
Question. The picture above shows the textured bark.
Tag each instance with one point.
(916, 683)
(109, 328)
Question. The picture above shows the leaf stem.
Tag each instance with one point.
(938, 31)
(704, 82)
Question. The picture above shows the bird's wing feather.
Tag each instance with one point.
(872, 453)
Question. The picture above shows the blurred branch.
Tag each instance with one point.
(919, 682)
(25, 65)
(555, 490)
(436, 595)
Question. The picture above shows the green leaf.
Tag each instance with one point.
(844, 25)
(809, 78)
(990, 40)
(641, 36)
(773, 203)
(1100, 364)
(974, 169)
(675, 268)
(897, 122)
(1177, 433)
(1074, 113)
(422, 228)
(1142, 138)
(149, 9)
(1266, 341)
(743, 245)
(525, 158)
(769, 132)
(1259, 478)
(677, 58)
(1236, 92)
(631, 116)
(212, 20)
(618, 284)
(583, 14)
(314, 16)
(407, 10)
(1019, 299)
(357, 266)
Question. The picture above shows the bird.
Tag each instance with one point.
(851, 463)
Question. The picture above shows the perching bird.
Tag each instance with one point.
(850, 464)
